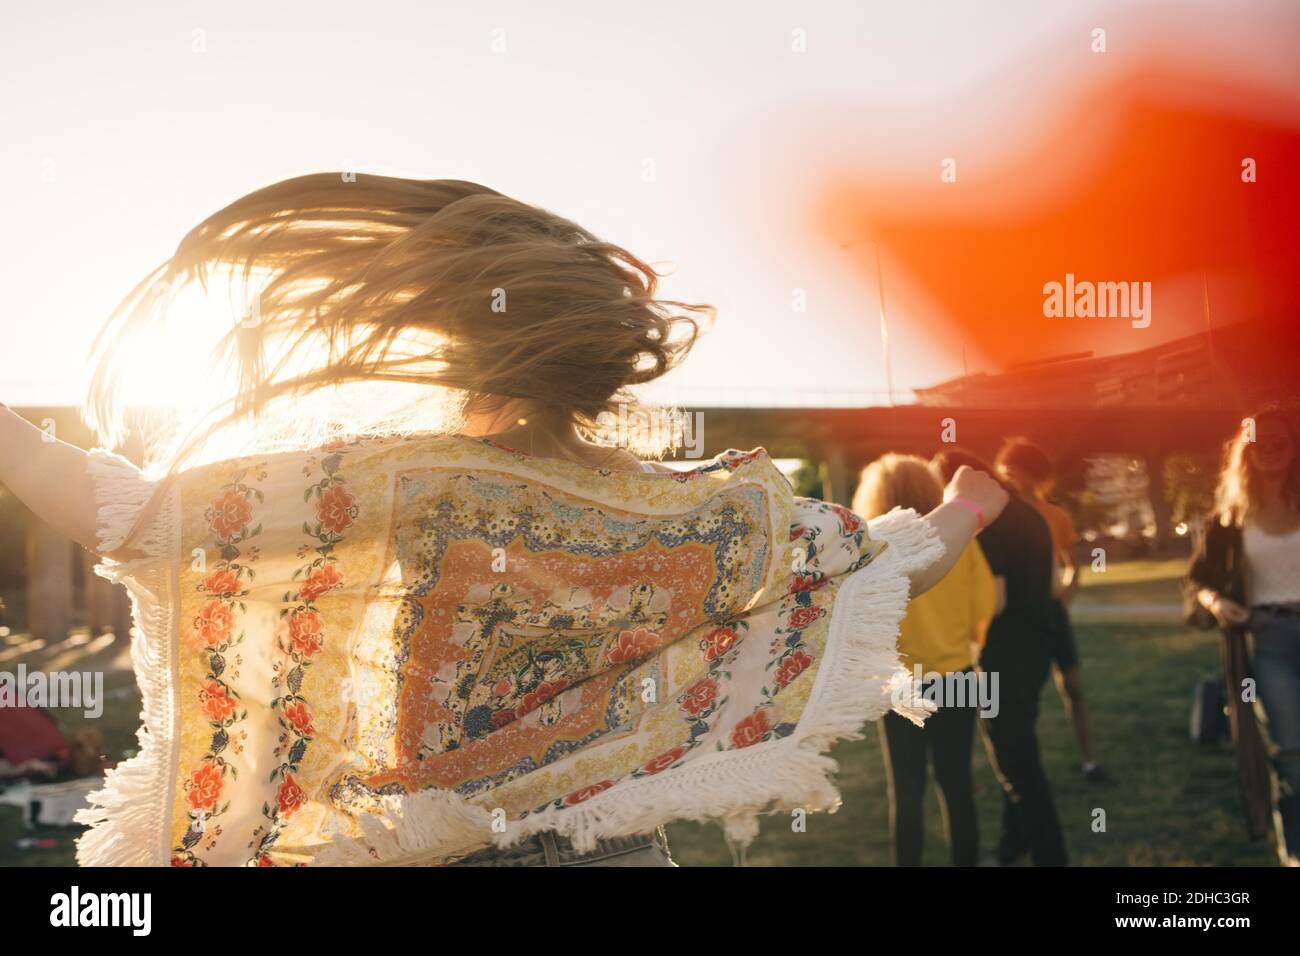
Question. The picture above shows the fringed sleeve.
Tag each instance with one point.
(128, 816)
(871, 604)
(914, 541)
(121, 494)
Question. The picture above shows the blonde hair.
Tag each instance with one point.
(1233, 496)
(897, 481)
(440, 284)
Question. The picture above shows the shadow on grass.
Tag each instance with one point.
(1174, 804)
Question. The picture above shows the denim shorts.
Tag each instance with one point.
(550, 849)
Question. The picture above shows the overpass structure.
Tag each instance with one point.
(1186, 396)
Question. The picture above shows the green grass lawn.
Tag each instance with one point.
(1164, 572)
(1175, 804)
(1134, 588)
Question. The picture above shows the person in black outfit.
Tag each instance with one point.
(1018, 547)
(908, 749)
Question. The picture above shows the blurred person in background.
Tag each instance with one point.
(1245, 576)
(1026, 467)
(1018, 547)
(935, 637)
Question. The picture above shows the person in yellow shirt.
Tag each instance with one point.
(1026, 467)
(937, 636)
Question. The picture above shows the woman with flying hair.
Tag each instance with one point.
(1245, 576)
(395, 606)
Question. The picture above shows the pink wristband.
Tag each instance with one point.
(971, 506)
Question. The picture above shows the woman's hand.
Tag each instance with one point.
(979, 489)
(959, 521)
(1225, 610)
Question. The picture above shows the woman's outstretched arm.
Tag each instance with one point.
(49, 476)
(969, 495)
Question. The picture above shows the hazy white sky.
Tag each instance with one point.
(125, 124)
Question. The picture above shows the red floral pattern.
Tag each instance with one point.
(215, 622)
(665, 760)
(700, 696)
(850, 522)
(321, 581)
(305, 631)
(336, 511)
(230, 514)
(222, 583)
(205, 786)
(540, 695)
(289, 798)
(216, 628)
(586, 793)
(632, 645)
(792, 666)
(808, 582)
(216, 700)
(299, 717)
(753, 729)
(717, 642)
(804, 617)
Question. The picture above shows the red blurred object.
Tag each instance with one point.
(1141, 181)
(36, 843)
(28, 733)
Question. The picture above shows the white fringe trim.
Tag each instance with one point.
(130, 818)
(428, 826)
(121, 493)
(859, 679)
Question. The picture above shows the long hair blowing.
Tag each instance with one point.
(375, 279)
(1234, 494)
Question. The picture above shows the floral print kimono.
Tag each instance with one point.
(402, 650)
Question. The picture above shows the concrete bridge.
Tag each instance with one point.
(61, 591)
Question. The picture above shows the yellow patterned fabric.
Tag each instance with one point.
(401, 650)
